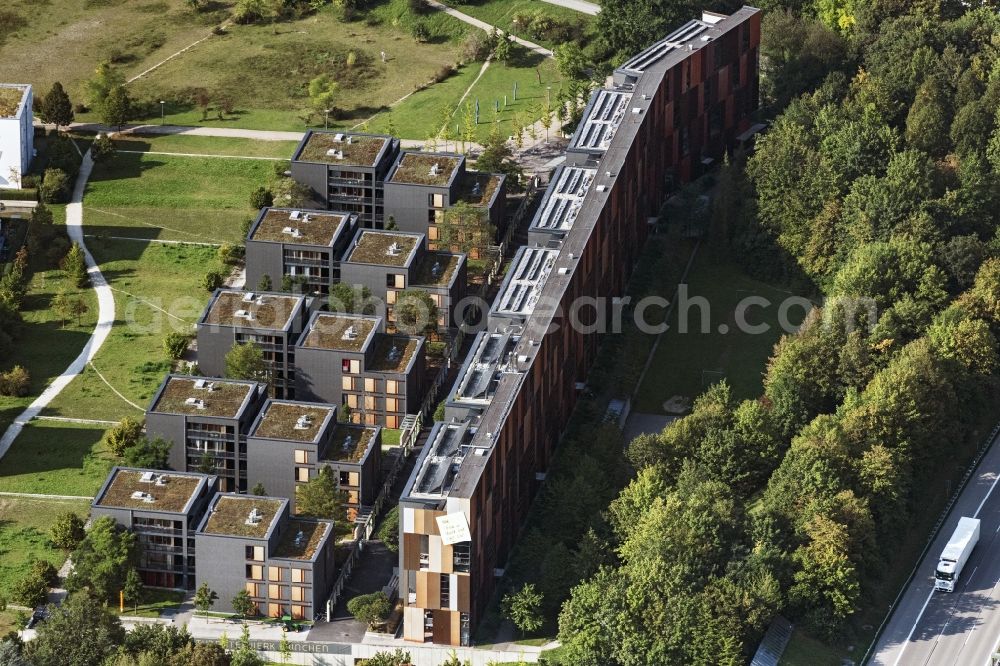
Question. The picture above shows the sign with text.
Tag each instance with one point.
(454, 528)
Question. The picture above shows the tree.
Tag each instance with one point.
(415, 312)
(320, 498)
(132, 589)
(929, 119)
(213, 280)
(243, 604)
(350, 298)
(571, 61)
(56, 107)
(100, 85)
(467, 228)
(67, 531)
(388, 531)
(261, 198)
(158, 643)
(116, 109)
(503, 47)
(372, 609)
(246, 361)
(149, 454)
(31, 590)
(397, 657)
(258, 489)
(81, 631)
(524, 608)
(11, 652)
(75, 266)
(102, 560)
(55, 186)
(264, 284)
(124, 435)
(321, 91)
(61, 306)
(77, 308)
(175, 344)
(497, 157)
(15, 382)
(284, 648)
(204, 598)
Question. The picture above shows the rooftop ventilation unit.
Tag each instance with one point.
(249, 297)
(197, 403)
(307, 218)
(435, 169)
(145, 497)
(350, 139)
(335, 154)
(254, 518)
(147, 477)
(351, 333)
(300, 537)
(243, 314)
(303, 422)
(204, 385)
(477, 189)
(348, 443)
(436, 269)
(291, 231)
(294, 215)
(602, 188)
(394, 249)
(395, 354)
(339, 136)
(563, 271)
(161, 480)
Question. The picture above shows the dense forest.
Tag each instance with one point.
(878, 186)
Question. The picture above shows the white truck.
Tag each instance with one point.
(956, 554)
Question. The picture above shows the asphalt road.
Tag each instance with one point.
(961, 627)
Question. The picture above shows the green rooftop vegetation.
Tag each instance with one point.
(436, 269)
(159, 492)
(296, 421)
(387, 360)
(307, 228)
(231, 516)
(10, 100)
(348, 149)
(202, 397)
(339, 332)
(349, 443)
(383, 248)
(425, 169)
(301, 539)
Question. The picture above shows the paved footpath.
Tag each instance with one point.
(579, 5)
(105, 313)
(483, 25)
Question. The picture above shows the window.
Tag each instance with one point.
(347, 383)
(255, 553)
(432, 233)
(302, 474)
(298, 612)
(392, 404)
(274, 591)
(371, 385)
(298, 593)
(274, 573)
(436, 200)
(253, 589)
(461, 556)
(391, 421)
(445, 590)
(370, 402)
(352, 401)
(390, 297)
(355, 366)
(436, 298)
(395, 280)
(298, 575)
(301, 456)
(345, 365)
(391, 386)
(255, 572)
(736, 74)
(275, 610)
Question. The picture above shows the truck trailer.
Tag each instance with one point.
(956, 554)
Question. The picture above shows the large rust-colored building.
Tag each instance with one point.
(670, 111)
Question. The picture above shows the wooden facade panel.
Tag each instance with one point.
(464, 593)
(445, 622)
(429, 589)
(411, 551)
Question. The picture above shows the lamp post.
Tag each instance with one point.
(326, 118)
(162, 111)
(548, 96)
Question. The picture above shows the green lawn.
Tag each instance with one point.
(502, 12)
(687, 363)
(24, 537)
(46, 347)
(149, 279)
(196, 199)
(206, 145)
(420, 115)
(154, 602)
(57, 459)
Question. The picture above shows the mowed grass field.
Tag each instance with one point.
(157, 289)
(54, 458)
(686, 363)
(192, 144)
(193, 199)
(24, 535)
(502, 12)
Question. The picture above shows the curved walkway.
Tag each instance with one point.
(105, 314)
(483, 25)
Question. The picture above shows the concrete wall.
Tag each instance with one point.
(171, 427)
(264, 258)
(16, 145)
(313, 176)
(214, 342)
(272, 462)
(409, 204)
(318, 374)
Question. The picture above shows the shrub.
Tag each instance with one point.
(388, 531)
(15, 382)
(32, 589)
(281, 167)
(123, 436)
(55, 186)
(103, 148)
(443, 73)
(230, 254)
(62, 155)
(418, 6)
(75, 266)
(261, 198)
(372, 609)
(45, 571)
(477, 46)
(67, 532)
(176, 344)
(213, 280)
(420, 31)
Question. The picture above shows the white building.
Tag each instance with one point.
(16, 133)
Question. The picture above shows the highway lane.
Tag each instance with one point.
(932, 628)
